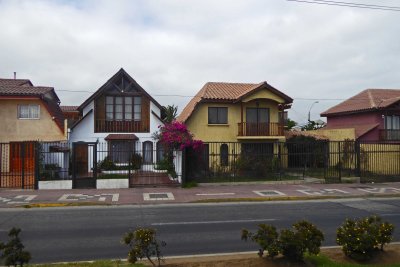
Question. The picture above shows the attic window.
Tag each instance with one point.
(123, 108)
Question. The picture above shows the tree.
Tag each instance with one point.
(169, 113)
(312, 125)
(290, 123)
(13, 251)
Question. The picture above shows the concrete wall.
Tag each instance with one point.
(336, 134)
(13, 129)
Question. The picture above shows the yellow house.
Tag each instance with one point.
(237, 112)
(27, 113)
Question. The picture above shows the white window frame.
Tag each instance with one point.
(30, 113)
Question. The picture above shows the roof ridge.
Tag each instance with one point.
(371, 98)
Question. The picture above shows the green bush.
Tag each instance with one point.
(13, 252)
(266, 237)
(106, 164)
(361, 239)
(136, 161)
(292, 243)
(143, 244)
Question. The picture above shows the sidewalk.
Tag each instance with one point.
(202, 193)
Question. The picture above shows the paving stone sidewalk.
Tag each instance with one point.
(202, 193)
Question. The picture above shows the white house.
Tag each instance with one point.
(121, 115)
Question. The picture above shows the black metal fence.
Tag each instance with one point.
(144, 163)
(24, 164)
(319, 161)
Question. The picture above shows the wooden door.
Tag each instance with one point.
(22, 156)
(81, 160)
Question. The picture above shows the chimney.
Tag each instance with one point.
(15, 75)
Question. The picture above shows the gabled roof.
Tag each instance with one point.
(24, 88)
(227, 92)
(367, 100)
(104, 86)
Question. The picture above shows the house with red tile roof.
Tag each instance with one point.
(232, 112)
(374, 114)
(29, 113)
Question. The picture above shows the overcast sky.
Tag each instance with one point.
(307, 51)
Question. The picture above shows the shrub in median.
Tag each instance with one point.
(266, 237)
(143, 244)
(361, 238)
(292, 243)
(13, 252)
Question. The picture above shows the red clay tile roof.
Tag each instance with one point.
(69, 108)
(15, 82)
(290, 134)
(226, 92)
(370, 99)
(23, 87)
(121, 137)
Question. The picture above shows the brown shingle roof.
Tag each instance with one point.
(227, 92)
(15, 82)
(370, 99)
(24, 90)
(69, 108)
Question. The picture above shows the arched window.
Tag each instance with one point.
(224, 154)
(148, 152)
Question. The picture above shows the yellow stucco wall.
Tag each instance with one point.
(198, 122)
(14, 129)
(336, 134)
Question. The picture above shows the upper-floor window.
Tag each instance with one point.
(28, 111)
(217, 115)
(392, 122)
(123, 108)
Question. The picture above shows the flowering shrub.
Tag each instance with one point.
(176, 135)
(361, 238)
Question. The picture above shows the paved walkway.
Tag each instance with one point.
(202, 193)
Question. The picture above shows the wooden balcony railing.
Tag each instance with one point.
(389, 135)
(260, 129)
(120, 126)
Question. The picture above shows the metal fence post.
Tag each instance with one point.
(183, 178)
(37, 163)
(358, 157)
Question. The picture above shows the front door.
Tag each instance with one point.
(84, 165)
(21, 165)
(257, 122)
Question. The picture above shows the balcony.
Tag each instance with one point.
(120, 126)
(260, 129)
(389, 135)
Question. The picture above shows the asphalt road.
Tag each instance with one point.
(87, 233)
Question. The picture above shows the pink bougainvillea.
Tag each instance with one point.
(176, 135)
